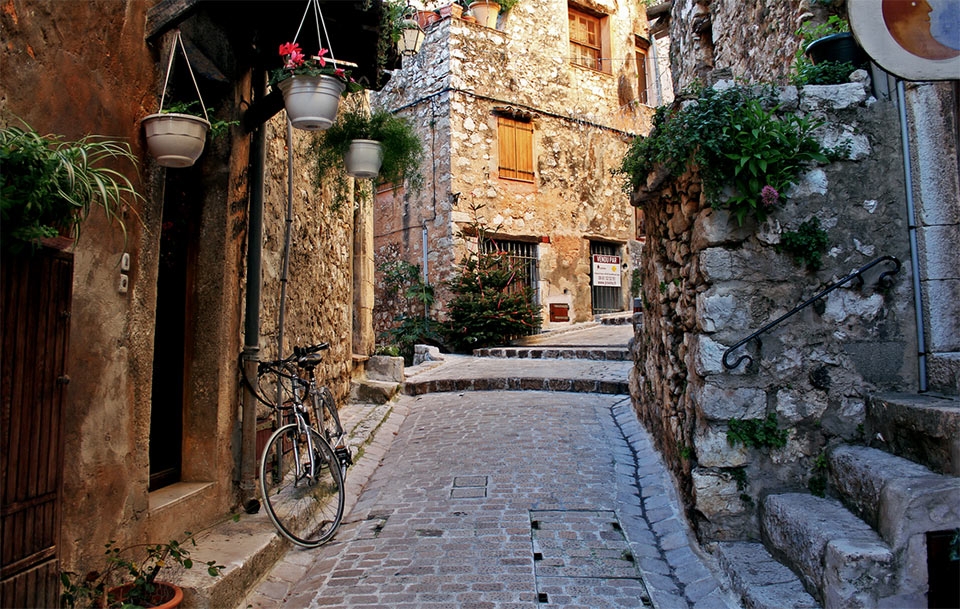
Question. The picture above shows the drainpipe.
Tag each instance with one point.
(251, 340)
(912, 223)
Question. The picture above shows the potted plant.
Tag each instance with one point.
(129, 577)
(487, 11)
(311, 87)
(395, 142)
(827, 54)
(176, 136)
(48, 185)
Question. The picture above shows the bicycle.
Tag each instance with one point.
(303, 464)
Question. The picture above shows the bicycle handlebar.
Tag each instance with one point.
(301, 351)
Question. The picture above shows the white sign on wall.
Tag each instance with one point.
(606, 270)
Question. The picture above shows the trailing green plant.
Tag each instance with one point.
(48, 185)
(748, 156)
(757, 433)
(136, 567)
(492, 302)
(217, 127)
(412, 325)
(402, 149)
(636, 282)
(806, 244)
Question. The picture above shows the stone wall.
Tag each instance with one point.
(464, 73)
(707, 283)
(756, 41)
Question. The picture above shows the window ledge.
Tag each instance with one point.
(176, 493)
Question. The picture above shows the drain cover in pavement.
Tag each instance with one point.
(582, 559)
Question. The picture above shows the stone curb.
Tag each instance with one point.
(517, 384)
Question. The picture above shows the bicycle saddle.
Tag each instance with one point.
(309, 361)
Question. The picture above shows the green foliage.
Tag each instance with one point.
(636, 282)
(684, 450)
(806, 244)
(823, 73)
(748, 156)
(402, 149)
(48, 184)
(492, 302)
(217, 127)
(818, 479)
(413, 324)
(810, 31)
(137, 565)
(757, 433)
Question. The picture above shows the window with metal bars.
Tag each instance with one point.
(515, 137)
(520, 254)
(606, 299)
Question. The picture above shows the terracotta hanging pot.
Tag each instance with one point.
(175, 140)
(312, 101)
(363, 159)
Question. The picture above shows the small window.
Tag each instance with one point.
(515, 137)
(586, 40)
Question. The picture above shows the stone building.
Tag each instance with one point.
(526, 120)
(153, 441)
(847, 469)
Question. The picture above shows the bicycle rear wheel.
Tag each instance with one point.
(305, 507)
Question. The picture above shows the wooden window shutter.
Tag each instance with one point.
(516, 149)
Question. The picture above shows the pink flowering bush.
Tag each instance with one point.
(296, 63)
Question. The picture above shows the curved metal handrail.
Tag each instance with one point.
(883, 279)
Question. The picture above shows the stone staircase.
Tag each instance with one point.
(866, 544)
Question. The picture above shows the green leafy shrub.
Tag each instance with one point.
(757, 433)
(748, 156)
(413, 325)
(806, 244)
(492, 302)
(823, 73)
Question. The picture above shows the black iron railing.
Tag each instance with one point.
(883, 279)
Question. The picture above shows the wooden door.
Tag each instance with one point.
(36, 291)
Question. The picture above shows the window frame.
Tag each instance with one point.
(600, 63)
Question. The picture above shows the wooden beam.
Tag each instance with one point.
(167, 14)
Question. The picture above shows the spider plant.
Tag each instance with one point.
(48, 185)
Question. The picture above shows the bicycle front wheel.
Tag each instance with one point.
(303, 494)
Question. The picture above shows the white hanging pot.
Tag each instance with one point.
(175, 140)
(486, 12)
(312, 101)
(363, 159)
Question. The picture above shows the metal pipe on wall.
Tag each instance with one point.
(912, 224)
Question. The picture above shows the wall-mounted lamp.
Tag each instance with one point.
(411, 34)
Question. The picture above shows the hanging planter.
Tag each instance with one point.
(363, 159)
(174, 139)
(312, 86)
(312, 101)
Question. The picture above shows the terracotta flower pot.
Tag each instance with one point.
(175, 140)
(166, 595)
(312, 101)
(486, 12)
(363, 159)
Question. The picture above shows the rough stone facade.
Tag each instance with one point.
(97, 52)
(582, 122)
(708, 283)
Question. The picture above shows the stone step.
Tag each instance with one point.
(922, 428)
(943, 372)
(895, 496)
(618, 354)
(759, 580)
(840, 559)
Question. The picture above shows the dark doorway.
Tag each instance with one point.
(171, 358)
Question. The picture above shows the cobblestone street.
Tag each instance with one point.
(507, 499)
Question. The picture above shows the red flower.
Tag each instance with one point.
(340, 73)
(320, 59)
(289, 48)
